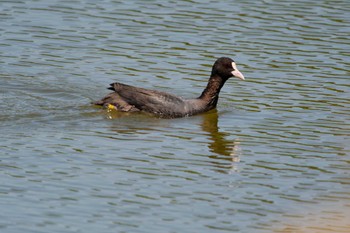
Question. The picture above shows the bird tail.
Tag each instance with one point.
(111, 87)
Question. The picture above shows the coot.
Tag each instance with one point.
(128, 98)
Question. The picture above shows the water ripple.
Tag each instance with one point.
(277, 140)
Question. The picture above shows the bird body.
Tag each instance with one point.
(128, 98)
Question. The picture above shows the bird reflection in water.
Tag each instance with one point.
(223, 148)
(226, 153)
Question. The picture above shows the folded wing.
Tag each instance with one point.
(149, 100)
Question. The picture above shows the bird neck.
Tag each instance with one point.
(211, 92)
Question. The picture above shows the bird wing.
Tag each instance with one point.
(149, 100)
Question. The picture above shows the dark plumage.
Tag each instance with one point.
(131, 99)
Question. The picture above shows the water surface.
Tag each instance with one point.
(274, 157)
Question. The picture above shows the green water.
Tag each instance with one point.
(274, 157)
